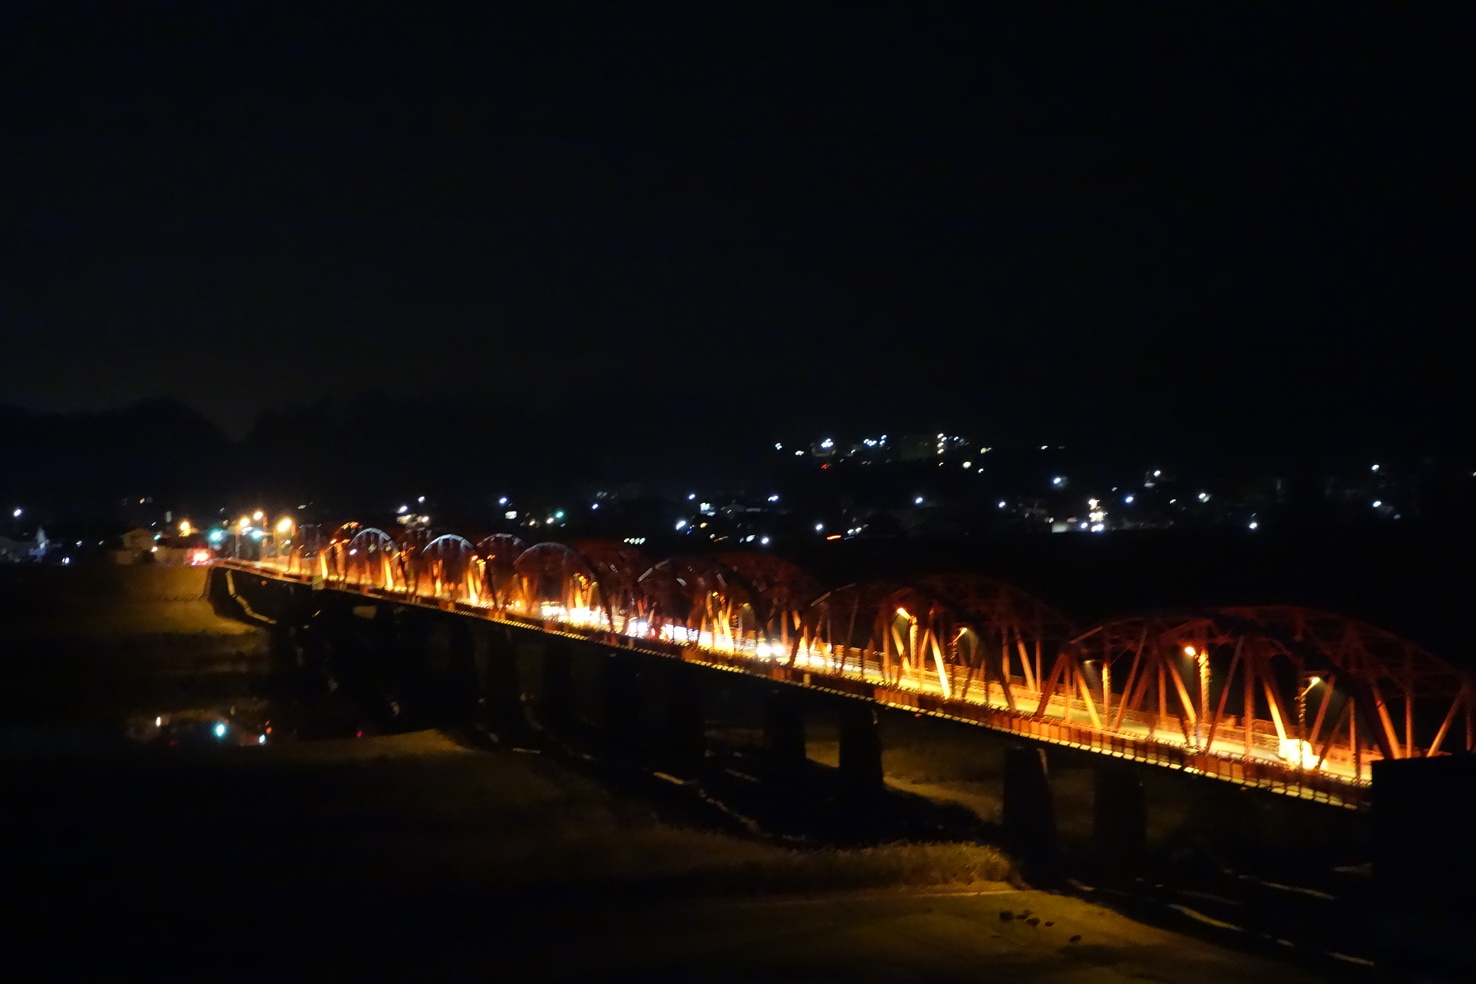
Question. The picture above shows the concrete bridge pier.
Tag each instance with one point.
(418, 667)
(1119, 815)
(681, 731)
(784, 736)
(1029, 810)
(861, 774)
(461, 686)
(556, 692)
(1424, 871)
(620, 699)
(501, 687)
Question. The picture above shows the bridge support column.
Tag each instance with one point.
(1119, 815)
(620, 699)
(1424, 870)
(683, 733)
(502, 705)
(556, 696)
(461, 687)
(860, 751)
(784, 734)
(1029, 810)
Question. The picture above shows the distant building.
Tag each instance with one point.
(21, 550)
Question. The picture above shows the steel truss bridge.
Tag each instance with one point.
(1290, 699)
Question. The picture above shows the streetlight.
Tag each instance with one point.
(1302, 747)
(1200, 657)
(284, 531)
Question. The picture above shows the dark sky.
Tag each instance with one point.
(1232, 218)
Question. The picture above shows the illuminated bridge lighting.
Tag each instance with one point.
(1165, 690)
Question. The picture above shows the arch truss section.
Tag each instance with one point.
(370, 558)
(499, 553)
(779, 594)
(964, 637)
(1280, 687)
(447, 567)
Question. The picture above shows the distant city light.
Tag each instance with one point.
(773, 498)
(827, 443)
(778, 446)
(1001, 503)
(510, 514)
(968, 464)
(1128, 499)
(1157, 473)
(220, 730)
(1374, 468)
(1253, 525)
(1204, 497)
(799, 452)
(421, 499)
(691, 496)
(17, 513)
(594, 505)
(763, 541)
(917, 501)
(1377, 503)
(502, 500)
(819, 527)
(681, 524)
(1058, 480)
(403, 510)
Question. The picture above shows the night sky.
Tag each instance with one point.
(1225, 223)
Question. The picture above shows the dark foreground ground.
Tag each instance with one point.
(411, 857)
